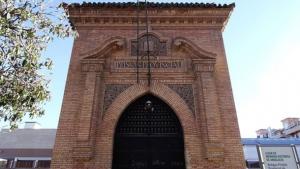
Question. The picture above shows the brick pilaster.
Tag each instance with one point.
(84, 146)
(208, 101)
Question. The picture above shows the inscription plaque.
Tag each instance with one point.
(161, 65)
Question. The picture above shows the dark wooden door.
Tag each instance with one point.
(148, 136)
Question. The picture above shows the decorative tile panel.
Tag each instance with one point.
(185, 91)
(111, 93)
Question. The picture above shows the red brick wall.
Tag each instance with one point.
(86, 129)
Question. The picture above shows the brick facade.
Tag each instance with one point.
(189, 73)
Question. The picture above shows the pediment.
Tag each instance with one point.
(107, 47)
(157, 46)
(97, 57)
(189, 46)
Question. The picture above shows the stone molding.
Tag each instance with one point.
(99, 17)
(92, 65)
(111, 44)
(203, 67)
(202, 60)
(197, 52)
(129, 22)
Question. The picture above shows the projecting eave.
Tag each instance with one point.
(150, 5)
(161, 15)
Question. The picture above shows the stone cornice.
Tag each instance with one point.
(154, 21)
(174, 17)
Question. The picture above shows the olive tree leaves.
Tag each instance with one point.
(26, 28)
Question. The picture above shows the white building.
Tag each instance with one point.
(291, 129)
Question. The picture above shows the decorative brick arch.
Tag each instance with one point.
(111, 117)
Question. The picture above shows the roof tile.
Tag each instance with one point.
(150, 4)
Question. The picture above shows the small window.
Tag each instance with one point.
(24, 164)
(43, 164)
(252, 164)
(3, 163)
(9, 163)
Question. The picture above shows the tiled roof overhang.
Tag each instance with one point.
(150, 5)
(116, 15)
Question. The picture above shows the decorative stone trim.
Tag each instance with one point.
(156, 46)
(183, 43)
(170, 15)
(92, 65)
(204, 67)
(111, 93)
(131, 21)
(111, 44)
(185, 91)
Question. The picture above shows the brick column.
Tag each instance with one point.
(84, 146)
(210, 116)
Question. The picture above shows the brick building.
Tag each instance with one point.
(162, 100)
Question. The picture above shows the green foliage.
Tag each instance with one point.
(26, 27)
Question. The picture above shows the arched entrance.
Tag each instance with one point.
(148, 136)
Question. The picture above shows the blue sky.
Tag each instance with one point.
(263, 50)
